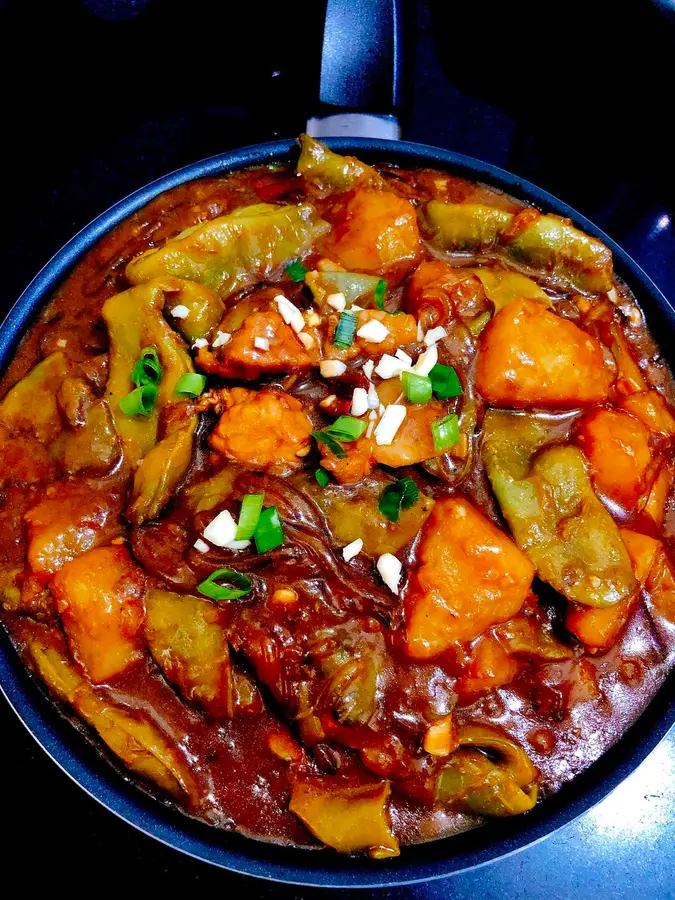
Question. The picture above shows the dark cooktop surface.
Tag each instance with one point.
(101, 96)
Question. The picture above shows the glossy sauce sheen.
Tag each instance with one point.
(565, 714)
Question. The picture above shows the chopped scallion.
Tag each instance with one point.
(251, 507)
(147, 369)
(344, 333)
(269, 533)
(346, 428)
(296, 271)
(343, 430)
(322, 477)
(238, 585)
(446, 432)
(445, 382)
(190, 385)
(417, 388)
(402, 495)
(141, 401)
(330, 443)
(380, 291)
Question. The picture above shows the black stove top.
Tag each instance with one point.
(101, 96)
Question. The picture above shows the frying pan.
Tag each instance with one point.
(437, 859)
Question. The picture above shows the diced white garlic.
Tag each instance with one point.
(434, 335)
(359, 402)
(352, 550)
(426, 361)
(199, 343)
(389, 424)
(327, 401)
(420, 331)
(222, 338)
(390, 569)
(221, 529)
(201, 545)
(403, 356)
(373, 331)
(306, 340)
(368, 367)
(312, 318)
(390, 367)
(369, 429)
(332, 368)
(180, 311)
(373, 399)
(261, 344)
(337, 301)
(62, 342)
(356, 308)
(290, 313)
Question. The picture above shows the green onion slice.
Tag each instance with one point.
(147, 369)
(343, 430)
(380, 291)
(344, 333)
(296, 271)
(269, 533)
(330, 443)
(322, 477)
(445, 432)
(238, 585)
(141, 401)
(346, 428)
(190, 385)
(251, 507)
(417, 388)
(402, 495)
(445, 382)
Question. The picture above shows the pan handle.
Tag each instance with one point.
(362, 56)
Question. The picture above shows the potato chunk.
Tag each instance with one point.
(100, 598)
(240, 358)
(375, 232)
(470, 576)
(266, 429)
(348, 818)
(490, 667)
(414, 440)
(187, 641)
(529, 356)
(617, 448)
(71, 519)
(353, 467)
